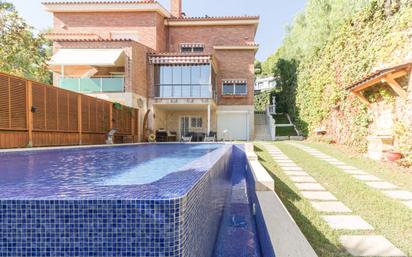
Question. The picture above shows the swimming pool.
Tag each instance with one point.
(144, 200)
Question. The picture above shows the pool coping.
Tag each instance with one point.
(14, 150)
(284, 234)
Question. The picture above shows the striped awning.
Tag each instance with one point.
(180, 59)
(233, 81)
(192, 45)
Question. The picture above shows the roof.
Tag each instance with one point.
(98, 2)
(212, 21)
(179, 58)
(208, 18)
(92, 40)
(105, 6)
(376, 75)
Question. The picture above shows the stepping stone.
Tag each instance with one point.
(285, 161)
(355, 172)
(336, 163)
(349, 222)
(281, 157)
(296, 173)
(323, 196)
(330, 207)
(369, 246)
(399, 194)
(289, 165)
(408, 204)
(381, 185)
(366, 178)
(302, 179)
(310, 187)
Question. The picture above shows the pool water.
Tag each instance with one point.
(83, 172)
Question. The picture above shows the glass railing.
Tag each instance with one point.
(93, 85)
(183, 91)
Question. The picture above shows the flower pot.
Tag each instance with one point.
(394, 156)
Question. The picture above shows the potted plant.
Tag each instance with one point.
(394, 155)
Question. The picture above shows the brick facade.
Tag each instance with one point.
(150, 31)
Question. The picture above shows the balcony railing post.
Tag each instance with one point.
(101, 84)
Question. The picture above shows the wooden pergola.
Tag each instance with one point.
(387, 76)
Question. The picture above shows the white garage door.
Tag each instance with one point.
(232, 126)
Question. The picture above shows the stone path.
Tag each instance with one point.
(337, 215)
(374, 182)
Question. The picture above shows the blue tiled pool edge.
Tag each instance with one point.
(179, 226)
(263, 233)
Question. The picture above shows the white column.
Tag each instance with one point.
(208, 119)
(62, 72)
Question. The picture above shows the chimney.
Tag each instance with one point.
(176, 8)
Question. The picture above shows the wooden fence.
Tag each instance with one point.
(35, 114)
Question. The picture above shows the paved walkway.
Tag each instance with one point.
(335, 213)
(372, 181)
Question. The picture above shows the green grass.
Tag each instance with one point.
(390, 218)
(285, 131)
(399, 176)
(281, 119)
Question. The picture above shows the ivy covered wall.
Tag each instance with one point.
(330, 45)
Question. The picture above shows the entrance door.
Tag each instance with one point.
(184, 126)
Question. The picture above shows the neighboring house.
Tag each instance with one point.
(264, 84)
(191, 74)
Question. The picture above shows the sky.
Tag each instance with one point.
(275, 15)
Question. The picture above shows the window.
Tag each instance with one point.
(196, 122)
(234, 88)
(192, 48)
(183, 81)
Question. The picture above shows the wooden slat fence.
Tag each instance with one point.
(35, 114)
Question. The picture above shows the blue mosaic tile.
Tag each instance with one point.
(177, 216)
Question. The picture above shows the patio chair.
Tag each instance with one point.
(209, 139)
(186, 139)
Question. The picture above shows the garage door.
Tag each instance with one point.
(232, 126)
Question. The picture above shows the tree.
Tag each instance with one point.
(258, 68)
(22, 53)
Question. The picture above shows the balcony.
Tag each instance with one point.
(183, 91)
(93, 85)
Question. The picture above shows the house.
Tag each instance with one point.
(264, 84)
(185, 74)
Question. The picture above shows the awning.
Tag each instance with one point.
(179, 59)
(88, 57)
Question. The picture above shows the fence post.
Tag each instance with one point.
(29, 100)
(111, 117)
(133, 114)
(79, 117)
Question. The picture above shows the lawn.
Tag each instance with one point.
(281, 119)
(390, 218)
(399, 176)
(285, 131)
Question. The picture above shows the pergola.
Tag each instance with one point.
(387, 76)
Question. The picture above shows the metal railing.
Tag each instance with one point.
(183, 91)
(93, 85)
(272, 109)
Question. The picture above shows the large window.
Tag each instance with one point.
(190, 81)
(234, 88)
